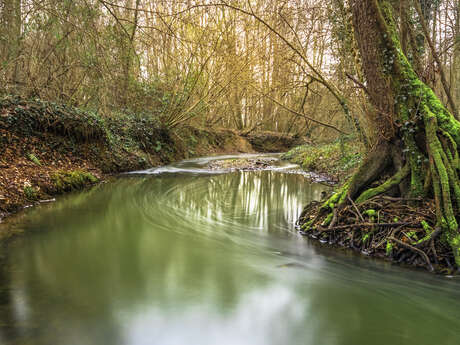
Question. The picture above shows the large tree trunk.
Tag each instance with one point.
(456, 63)
(418, 139)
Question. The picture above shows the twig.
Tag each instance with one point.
(357, 82)
(334, 218)
(432, 237)
(435, 253)
(354, 206)
(421, 252)
(368, 225)
(391, 198)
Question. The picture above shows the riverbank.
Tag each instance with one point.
(336, 160)
(169, 252)
(49, 149)
(401, 231)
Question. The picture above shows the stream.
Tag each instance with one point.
(188, 255)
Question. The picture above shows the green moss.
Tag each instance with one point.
(370, 213)
(436, 151)
(428, 231)
(393, 181)
(338, 158)
(328, 219)
(365, 237)
(31, 192)
(411, 235)
(307, 226)
(332, 201)
(337, 198)
(389, 248)
(65, 181)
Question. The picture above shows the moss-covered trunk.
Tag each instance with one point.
(418, 139)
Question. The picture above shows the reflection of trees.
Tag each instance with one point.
(178, 242)
(262, 200)
(6, 304)
(119, 247)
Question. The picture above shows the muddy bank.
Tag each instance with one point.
(48, 149)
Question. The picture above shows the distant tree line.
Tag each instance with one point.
(281, 65)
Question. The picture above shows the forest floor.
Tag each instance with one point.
(48, 149)
(336, 160)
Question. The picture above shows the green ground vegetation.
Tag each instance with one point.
(337, 159)
(66, 181)
(48, 148)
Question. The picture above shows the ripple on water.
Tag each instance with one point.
(187, 257)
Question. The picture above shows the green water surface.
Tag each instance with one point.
(182, 255)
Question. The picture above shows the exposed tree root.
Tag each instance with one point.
(417, 148)
(393, 228)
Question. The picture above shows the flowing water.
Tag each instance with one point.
(183, 255)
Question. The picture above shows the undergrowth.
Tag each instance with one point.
(125, 140)
(337, 159)
(66, 181)
(48, 148)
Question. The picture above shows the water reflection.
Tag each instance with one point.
(185, 258)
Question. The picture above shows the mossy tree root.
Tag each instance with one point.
(395, 180)
(438, 164)
(430, 134)
(446, 187)
(418, 128)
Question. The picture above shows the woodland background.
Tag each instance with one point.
(284, 66)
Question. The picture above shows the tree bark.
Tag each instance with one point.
(456, 59)
(418, 138)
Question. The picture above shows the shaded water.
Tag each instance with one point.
(181, 255)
